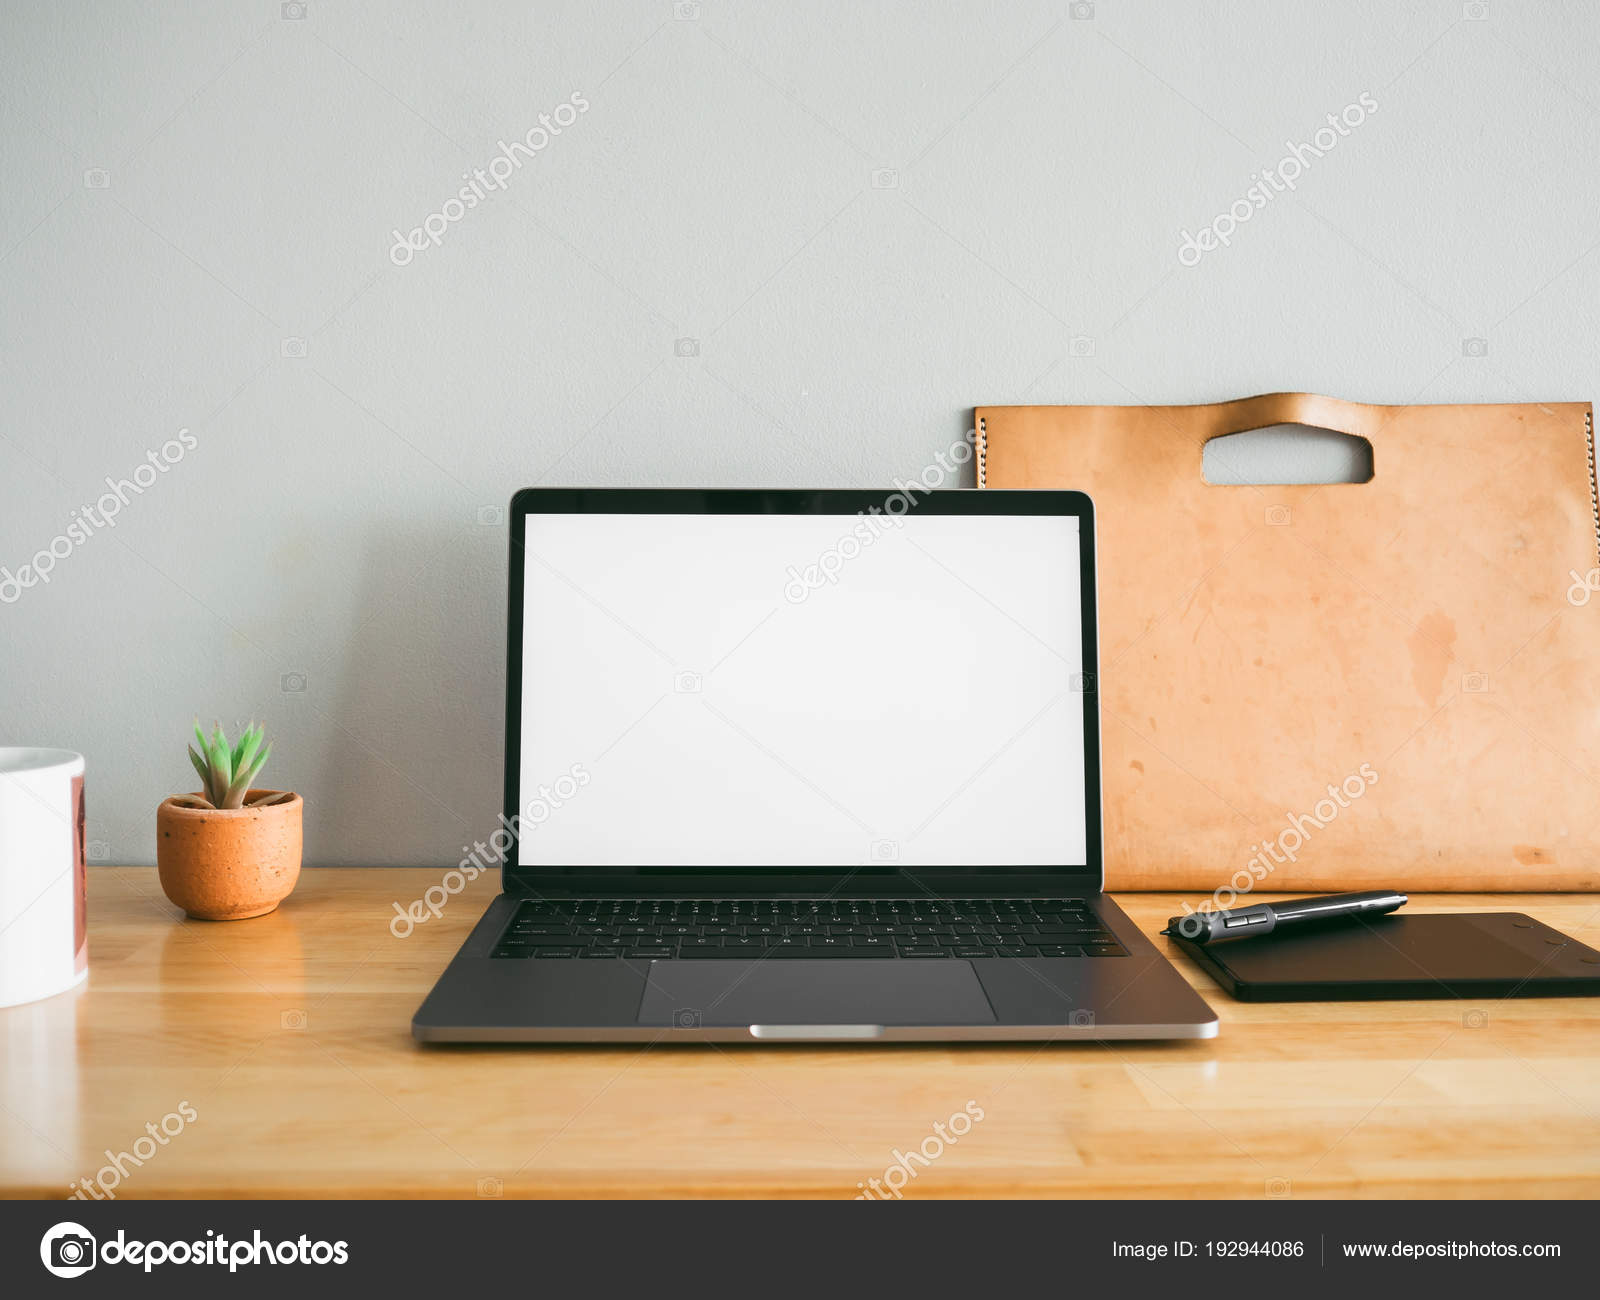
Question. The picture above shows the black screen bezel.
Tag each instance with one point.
(875, 880)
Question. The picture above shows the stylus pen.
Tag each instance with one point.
(1270, 918)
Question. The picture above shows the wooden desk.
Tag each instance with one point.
(288, 1036)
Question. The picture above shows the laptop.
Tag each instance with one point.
(789, 766)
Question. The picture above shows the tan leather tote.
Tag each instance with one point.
(1392, 683)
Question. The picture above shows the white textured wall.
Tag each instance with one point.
(870, 217)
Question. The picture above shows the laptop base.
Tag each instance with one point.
(481, 999)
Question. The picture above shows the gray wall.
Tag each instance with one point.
(868, 217)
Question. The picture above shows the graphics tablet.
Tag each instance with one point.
(1462, 955)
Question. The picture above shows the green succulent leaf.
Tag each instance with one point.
(238, 747)
(244, 779)
(245, 751)
(221, 767)
(200, 767)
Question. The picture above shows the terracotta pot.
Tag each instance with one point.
(225, 864)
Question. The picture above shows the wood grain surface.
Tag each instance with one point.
(287, 1038)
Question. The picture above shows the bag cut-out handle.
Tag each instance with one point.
(1270, 409)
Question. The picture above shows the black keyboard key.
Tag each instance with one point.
(923, 952)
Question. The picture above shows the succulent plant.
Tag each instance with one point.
(226, 773)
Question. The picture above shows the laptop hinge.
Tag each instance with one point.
(994, 882)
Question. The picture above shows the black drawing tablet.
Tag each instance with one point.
(1442, 955)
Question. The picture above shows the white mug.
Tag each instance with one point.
(43, 882)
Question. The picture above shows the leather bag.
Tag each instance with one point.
(1393, 683)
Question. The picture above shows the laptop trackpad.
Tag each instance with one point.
(813, 991)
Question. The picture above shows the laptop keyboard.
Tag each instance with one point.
(750, 928)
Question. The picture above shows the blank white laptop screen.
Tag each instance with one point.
(801, 690)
